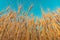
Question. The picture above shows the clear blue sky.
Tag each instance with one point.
(52, 4)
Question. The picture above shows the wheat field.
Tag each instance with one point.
(23, 27)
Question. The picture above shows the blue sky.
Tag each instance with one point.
(37, 4)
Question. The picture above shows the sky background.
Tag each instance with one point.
(37, 4)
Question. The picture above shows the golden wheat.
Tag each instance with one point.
(14, 27)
